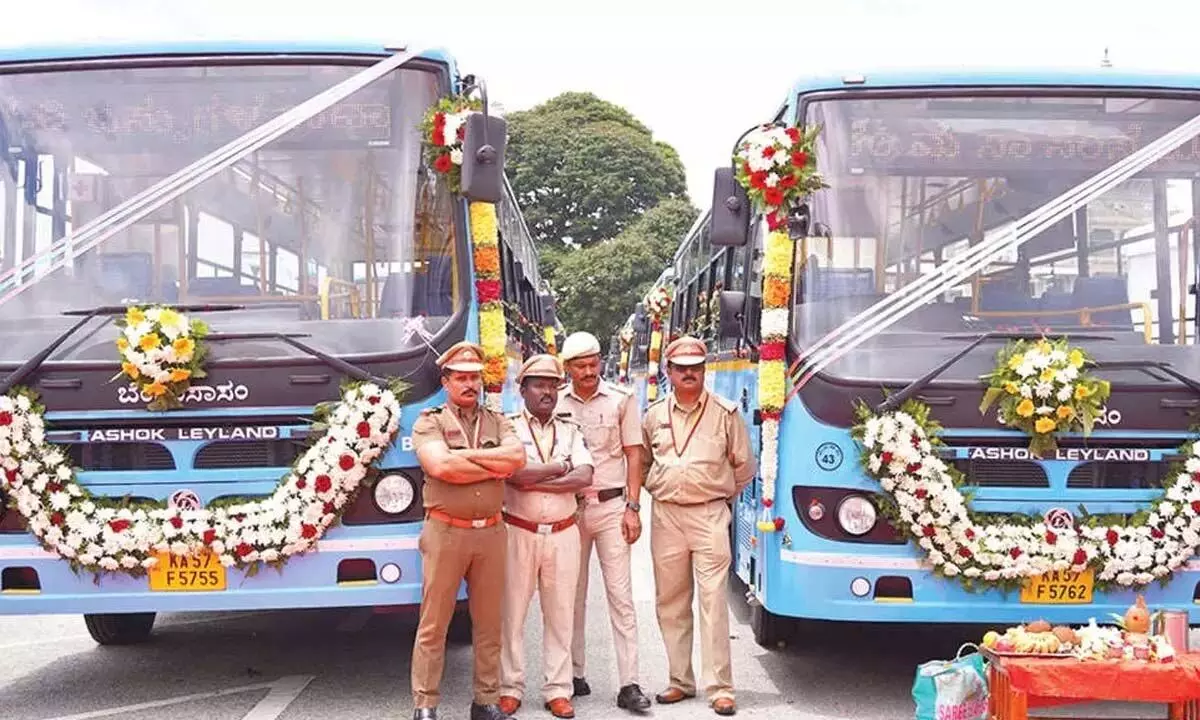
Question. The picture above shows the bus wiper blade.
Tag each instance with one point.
(121, 309)
(290, 338)
(1146, 366)
(1017, 335)
(894, 401)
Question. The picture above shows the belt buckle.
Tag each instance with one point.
(481, 523)
(545, 528)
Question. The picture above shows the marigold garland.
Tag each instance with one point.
(161, 352)
(493, 333)
(772, 369)
(551, 339)
(1043, 388)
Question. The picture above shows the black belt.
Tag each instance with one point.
(606, 495)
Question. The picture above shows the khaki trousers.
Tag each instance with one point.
(549, 564)
(600, 525)
(685, 540)
(448, 555)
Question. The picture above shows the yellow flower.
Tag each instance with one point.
(180, 374)
(1047, 375)
(778, 259)
(1082, 391)
(1015, 361)
(148, 342)
(130, 369)
(1075, 358)
(772, 387)
(1012, 388)
(133, 316)
(155, 389)
(1044, 425)
(491, 333)
(483, 224)
(1025, 408)
(1043, 347)
(184, 347)
(122, 344)
(168, 317)
(1065, 412)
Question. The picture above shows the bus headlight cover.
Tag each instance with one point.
(394, 494)
(860, 586)
(856, 515)
(389, 573)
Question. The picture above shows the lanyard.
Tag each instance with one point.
(537, 443)
(474, 439)
(691, 433)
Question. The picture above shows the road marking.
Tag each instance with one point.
(283, 692)
(85, 636)
(179, 700)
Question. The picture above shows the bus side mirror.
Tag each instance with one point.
(730, 222)
(483, 158)
(732, 309)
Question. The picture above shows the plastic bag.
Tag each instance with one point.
(952, 689)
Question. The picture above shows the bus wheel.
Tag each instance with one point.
(119, 629)
(769, 629)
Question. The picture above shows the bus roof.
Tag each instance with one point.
(959, 77)
(85, 51)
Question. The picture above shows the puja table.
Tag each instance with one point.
(1016, 684)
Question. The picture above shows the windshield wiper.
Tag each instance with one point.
(290, 339)
(895, 401)
(28, 367)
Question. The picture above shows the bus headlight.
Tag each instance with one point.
(856, 515)
(394, 494)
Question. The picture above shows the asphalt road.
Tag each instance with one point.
(353, 665)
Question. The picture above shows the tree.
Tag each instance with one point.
(584, 169)
(599, 285)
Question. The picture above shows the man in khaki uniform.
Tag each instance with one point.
(611, 423)
(543, 540)
(697, 459)
(466, 452)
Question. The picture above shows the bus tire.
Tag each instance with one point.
(120, 628)
(769, 629)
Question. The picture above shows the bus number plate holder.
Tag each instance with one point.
(194, 573)
(1060, 587)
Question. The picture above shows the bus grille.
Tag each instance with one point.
(1002, 473)
(1119, 475)
(248, 453)
(120, 456)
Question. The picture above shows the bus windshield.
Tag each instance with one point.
(336, 230)
(916, 180)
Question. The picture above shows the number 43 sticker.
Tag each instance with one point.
(829, 456)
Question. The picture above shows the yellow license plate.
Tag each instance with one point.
(193, 573)
(1060, 587)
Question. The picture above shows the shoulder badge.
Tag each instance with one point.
(621, 389)
(567, 417)
(725, 403)
(433, 410)
(513, 416)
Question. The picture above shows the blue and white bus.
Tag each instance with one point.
(925, 170)
(332, 251)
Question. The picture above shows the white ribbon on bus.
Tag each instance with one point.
(139, 206)
(904, 301)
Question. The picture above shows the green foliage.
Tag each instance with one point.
(585, 169)
(599, 285)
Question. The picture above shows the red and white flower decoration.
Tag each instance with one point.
(776, 166)
(899, 451)
(99, 535)
(443, 132)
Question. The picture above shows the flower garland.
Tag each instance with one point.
(551, 340)
(161, 352)
(777, 167)
(443, 129)
(493, 333)
(658, 304)
(772, 364)
(1043, 389)
(99, 535)
(924, 503)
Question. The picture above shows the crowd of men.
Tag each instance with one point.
(516, 504)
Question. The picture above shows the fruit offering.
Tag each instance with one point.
(1090, 642)
(1036, 638)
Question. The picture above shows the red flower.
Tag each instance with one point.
(965, 552)
(308, 532)
(773, 196)
(439, 119)
(324, 484)
(11, 476)
(767, 502)
(928, 531)
(787, 181)
(920, 493)
(488, 291)
(912, 468)
(330, 508)
(1196, 506)
(793, 134)
(119, 525)
(53, 486)
(778, 524)
(772, 351)
(1015, 553)
(758, 180)
(244, 549)
(768, 152)
(176, 522)
(57, 518)
(210, 536)
(373, 400)
(1080, 557)
(364, 429)
(799, 158)
(443, 164)
(1051, 538)
(886, 457)
(1112, 537)
(1156, 533)
(5, 417)
(301, 483)
(970, 534)
(776, 220)
(346, 462)
(437, 137)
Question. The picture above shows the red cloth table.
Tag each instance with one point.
(1017, 684)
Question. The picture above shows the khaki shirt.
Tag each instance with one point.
(554, 442)
(610, 424)
(715, 463)
(466, 502)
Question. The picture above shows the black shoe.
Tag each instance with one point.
(632, 698)
(581, 687)
(487, 712)
(425, 714)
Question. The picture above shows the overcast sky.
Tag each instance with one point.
(698, 78)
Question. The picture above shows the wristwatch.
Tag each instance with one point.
(633, 506)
